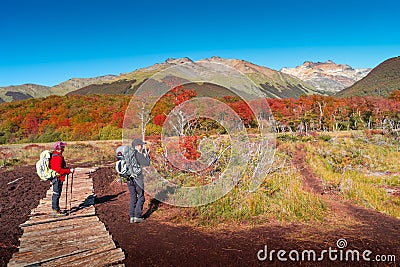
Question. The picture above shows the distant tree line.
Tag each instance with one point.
(323, 113)
(100, 117)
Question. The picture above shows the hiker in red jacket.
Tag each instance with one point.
(57, 163)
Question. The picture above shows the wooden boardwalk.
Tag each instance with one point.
(79, 239)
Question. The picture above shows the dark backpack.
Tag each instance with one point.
(126, 165)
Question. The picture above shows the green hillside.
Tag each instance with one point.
(26, 91)
(22, 92)
(381, 81)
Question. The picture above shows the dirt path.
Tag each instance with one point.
(312, 183)
(373, 224)
(158, 242)
(20, 192)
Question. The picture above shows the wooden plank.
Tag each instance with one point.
(68, 260)
(87, 211)
(45, 250)
(62, 233)
(47, 217)
(74, 205)
(75, 202)
(75, 188)
(43, 221)
(28, 258)
(79, 239)
(57, 250)
(100, 259)
(42, 233)
(51, 253)
(78, 222)
(53, 225)
(65, 230)
(70, 240)
(82, 208)
(77, 196)
(24, 261)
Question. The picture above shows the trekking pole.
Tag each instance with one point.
(70, 197)
(66, 196)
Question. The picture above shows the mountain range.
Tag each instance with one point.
(273, 83)
(25, 91)
(323, 78)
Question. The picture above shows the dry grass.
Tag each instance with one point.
(359, 170)
(82, 152)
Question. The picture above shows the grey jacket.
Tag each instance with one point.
(138, 160)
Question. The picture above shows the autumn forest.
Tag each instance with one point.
(100, 117)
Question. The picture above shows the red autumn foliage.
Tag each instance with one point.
(159, 119)
(189, 146)
(118, 119)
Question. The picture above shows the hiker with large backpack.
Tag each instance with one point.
(129, 166)
(58, 164)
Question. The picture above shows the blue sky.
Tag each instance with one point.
(47, 42)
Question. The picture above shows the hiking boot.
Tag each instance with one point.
(138, 219)
(57, 213)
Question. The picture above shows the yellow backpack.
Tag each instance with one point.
(43, 166)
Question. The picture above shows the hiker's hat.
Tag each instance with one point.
(58, 145)
(137, 142)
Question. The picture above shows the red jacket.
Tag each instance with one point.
(57, 163)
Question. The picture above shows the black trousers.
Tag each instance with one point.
(57, 189)
(136, 198)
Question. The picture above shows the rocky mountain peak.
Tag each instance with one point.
(327, 76)
(174, 61)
